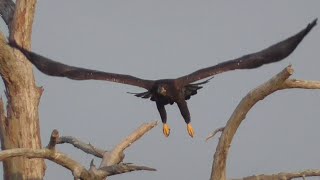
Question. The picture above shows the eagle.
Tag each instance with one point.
(170, 91)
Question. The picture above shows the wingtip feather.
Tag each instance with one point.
(310, 26)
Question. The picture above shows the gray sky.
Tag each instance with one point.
(165, 39)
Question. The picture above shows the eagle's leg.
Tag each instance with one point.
(186, 115)
(163, 115)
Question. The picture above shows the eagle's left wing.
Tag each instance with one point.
(271, 54)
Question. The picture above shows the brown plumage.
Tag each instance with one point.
(169, 91)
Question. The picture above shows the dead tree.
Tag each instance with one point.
(111, 163)
(19, 128)
(22, 153)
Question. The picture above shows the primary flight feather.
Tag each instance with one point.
(169, 91)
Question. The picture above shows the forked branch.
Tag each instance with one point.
(117, 154)
(214, 133)
(76, 168)
(79, 171)
(278, 82)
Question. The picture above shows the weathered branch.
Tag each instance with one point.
(76, 168)
(116, 155)
(52, 155)
(6, 11)
(87, 148)
(301, 84)
(121, 168)
(276, 83)
(284, 175)
(214, 133)
(78, 171)
(53, 139)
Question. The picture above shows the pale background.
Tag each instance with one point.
(166, 39)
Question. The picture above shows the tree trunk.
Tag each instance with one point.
(20, 127)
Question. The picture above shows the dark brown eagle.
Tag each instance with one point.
(169, 91)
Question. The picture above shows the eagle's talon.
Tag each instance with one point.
(166, 130)
(190, 130)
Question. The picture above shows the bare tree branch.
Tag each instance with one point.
(52, 155)
(301, 84)
(122, 168)
(116, 155)
(287, 84)
(214, 133)
(90, 149)
(76, 168)
(53, 139)
(6, 11)
(278, 82)
(284, 175)
(87, 148)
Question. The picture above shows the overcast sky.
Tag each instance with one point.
(166, 39)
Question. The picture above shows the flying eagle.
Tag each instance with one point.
(170, 91)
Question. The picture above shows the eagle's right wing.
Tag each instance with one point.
(53, 68)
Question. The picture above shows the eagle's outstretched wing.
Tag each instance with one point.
(271, 54)
(53, 68)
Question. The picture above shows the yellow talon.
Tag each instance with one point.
(166, 130)
(190, 130)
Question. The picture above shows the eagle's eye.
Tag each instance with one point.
(161, 90)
